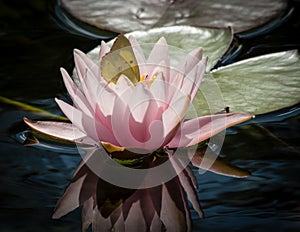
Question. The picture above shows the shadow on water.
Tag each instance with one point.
(35, 44)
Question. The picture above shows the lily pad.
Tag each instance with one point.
(261, 84)
(131, 15)
(257, 85)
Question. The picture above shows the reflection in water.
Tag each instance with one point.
(111, 208)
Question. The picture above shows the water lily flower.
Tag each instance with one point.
(129, 102)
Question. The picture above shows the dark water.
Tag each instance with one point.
(35, 40)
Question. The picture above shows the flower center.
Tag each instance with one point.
(147, 81)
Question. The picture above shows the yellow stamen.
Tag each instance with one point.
(151, 80)
(148, 82)
(111, 148)
(143, 78)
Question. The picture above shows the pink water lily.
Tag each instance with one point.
(143, 107)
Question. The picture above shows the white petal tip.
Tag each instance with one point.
(28, 121)
(77, 51)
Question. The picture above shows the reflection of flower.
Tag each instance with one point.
(110, 208)
(144, 112)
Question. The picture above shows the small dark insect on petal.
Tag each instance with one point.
(225, 110)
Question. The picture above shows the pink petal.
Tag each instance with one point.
(100, 223)
(96, 90)
(139, 130)
(124, 87)
(70, 199)
(119, 223)
(73, 114)
(78, 98)
(159, 90)
(159, 54)
(175, 113)
(192, 59)
(105, 99)
(87, 213)
(187, 183)
(139, 54)
(105, 120)
(89, 126)
(172, 217)
(120, 123)
(156, 136)
(161, 67)
(156, 224)
(185, 66)
(86, 74)
(147, 207)
(125, 129)
(90, 87)
(134, 104)
(199, 77)
(139, 102)
(192, 80)
(134, 221)
(150, 132)
(60, 130)
(199, 129)
(104, 49)
(83, 62)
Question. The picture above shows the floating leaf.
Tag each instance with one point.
(131, 15)
(120, 60)
(261, 84)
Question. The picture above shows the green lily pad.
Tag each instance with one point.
(261, 84)
(131, 15)
(257, 85)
